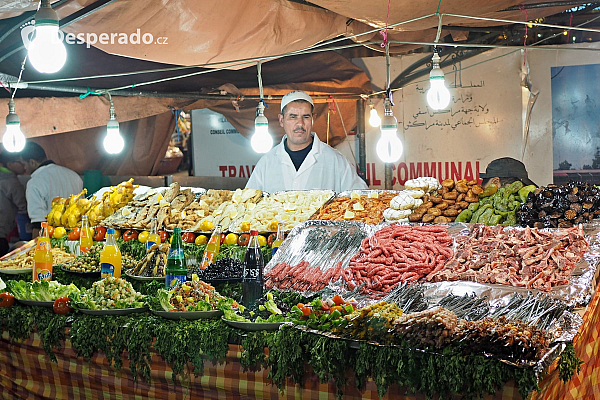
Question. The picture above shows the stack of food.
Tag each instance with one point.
(560, 206)
(290, 208)
(448, 203)
(218, 207)
(108, 293)
(153, 264)
(24, 261)
(194, 295)
(90, 262)
(366, 208)
(415, 194)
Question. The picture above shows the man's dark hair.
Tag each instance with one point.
(312, 108)
(33, 151)
(6, 157)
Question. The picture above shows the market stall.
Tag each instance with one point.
(342, 318)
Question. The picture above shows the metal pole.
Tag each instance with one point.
(388, 176)
(360, 133)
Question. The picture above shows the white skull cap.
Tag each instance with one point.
(293, 96)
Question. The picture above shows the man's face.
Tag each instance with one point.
(17, 167)
(297, 124)
(30, 166)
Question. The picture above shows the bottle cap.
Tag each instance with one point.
(177, 230)
(253, 232)
(44, 224)
(110, 231)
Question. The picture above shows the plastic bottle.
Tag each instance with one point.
(176, 270)
(42, 259)
(279, 239)
(153, 237)
(85, 237)
(110, 256)
(254, 264)
(212, 248)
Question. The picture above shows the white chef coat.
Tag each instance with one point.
(323, 168)
(47, 182)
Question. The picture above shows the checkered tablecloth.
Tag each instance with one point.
(26, 372)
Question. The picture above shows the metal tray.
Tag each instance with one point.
(114, 311)
(348, 194)
(83, 274)
(188, 314)
(16, 271)
(36, 303)
(144, 278)
(253, 326)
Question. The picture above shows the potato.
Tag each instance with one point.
(442, 206)
(436, 199)
(427, 218)
(462, 188)
(460, 197)
(422, 209)
(451, 212)
(462, 204)
(477, 189)
(461, 182)
(435, 211)
(450, 196)
(415, 217)
(444, 190)
(441, 220)
(472, 182)
(448, 183)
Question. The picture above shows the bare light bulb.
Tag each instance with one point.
(389, 147)
(113, 142)
(47, 52)
(438, 95)
(13, 140)
(374, 119)
(261, 141)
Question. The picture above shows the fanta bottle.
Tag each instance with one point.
(85, 237)
(42, 259)
(110, 256)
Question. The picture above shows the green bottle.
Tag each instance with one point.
(176, 271)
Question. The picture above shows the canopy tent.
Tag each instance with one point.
(213, 33)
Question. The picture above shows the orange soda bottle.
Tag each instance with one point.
(42, 259)
(85, 237)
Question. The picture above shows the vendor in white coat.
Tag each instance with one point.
(301, 161)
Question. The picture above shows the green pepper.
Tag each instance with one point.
(348, 308)
(485, 217)
(477, 214)
(515, 205)
(524, 192)
(494, 220)
(464, 216)
(488, 191)
(500, 203)
(514, 187)
(473, 207)
(335, 315)
(487, 200)
(325, 327)
(511, 198)
(511, 219)
(296, 312)
(324, 317)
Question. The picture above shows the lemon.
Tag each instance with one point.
(231, 238)
(348, 214)
(207, 226)
(59, 232)
(357, 207)
(201, 239)
(262, 241)
(143, 236)
(273, 225)
(354, 196)
(245, 226)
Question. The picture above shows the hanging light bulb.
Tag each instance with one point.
(13, 140)
(261, 140)
(389, 147)
(47, 52)
(113, 142)
(438, 95)
(374, 119)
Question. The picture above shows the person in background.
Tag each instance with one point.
(48, 180)
(301, 161)
(12, 201)
(504, 171)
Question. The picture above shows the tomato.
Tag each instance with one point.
(99, 233)
(59, 232)
(337, 299)
(143, 236)
(201, 239)
(163, 236)
(271, 239)
(6, 300)
(62, 305)
(243, 240)
(222, 238)
(50, 231)
(188, 237)
(130, 234)
(334, 308)
(231, 238)
(306, 311)
(262, 241)
(74, 234)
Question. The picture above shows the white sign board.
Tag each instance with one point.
(219, 149)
